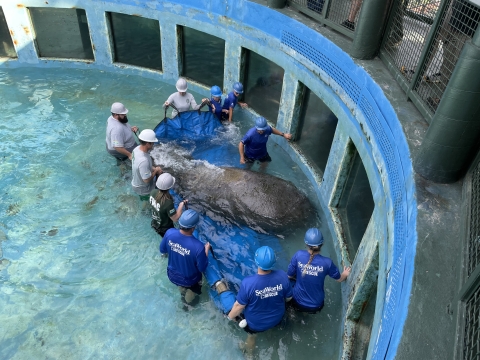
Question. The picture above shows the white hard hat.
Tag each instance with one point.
(165, 181)
(148, 135)
(181, 85)
(118, 108)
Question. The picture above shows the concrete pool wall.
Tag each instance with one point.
(365, 117)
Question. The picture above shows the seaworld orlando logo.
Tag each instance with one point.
(311, 270)
(178, 248)
(269, 291)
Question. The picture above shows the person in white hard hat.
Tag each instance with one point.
(163, 210)
(143, 171)
(120, 141)
(182, 100)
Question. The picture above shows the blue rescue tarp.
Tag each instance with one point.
(234, 246)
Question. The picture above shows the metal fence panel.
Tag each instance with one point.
(345, 12)
(341, 14)
(471, 349)
(474, 238)
(458, 24)
(407, 34)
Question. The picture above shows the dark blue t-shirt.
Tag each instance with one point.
(264, 299)
(230, 101)
(218, 108)
(186, 258)
(255, 143)
(308, 290)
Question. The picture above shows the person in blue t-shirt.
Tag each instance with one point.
(262, 296)
(231, 100)
(253, 145)
(187, 256)
(309, 268)
(216, 103)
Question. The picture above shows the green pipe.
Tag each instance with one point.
(369, 29)
(452, 139)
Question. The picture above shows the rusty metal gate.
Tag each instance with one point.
(422, 44)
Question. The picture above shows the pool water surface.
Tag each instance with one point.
(80, 272)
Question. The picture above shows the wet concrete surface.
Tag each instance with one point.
(430, 327)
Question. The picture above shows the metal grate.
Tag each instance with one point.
(458, 24)
(471, 349)
(474, 238)
(313, 5)
(324, 62)
(407, 33)
(345, 12)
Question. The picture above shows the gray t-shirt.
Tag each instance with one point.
(141, 169)
(119, 135)
(182, 103)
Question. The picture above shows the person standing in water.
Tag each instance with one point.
(163, 210)
(119, 140)
(143, 171)
(309, 269)
(262, 297)
(231, 101)
(187, 256)
(182, 100)
(253, 145)
(216, 103)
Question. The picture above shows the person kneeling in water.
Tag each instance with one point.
(309, 268)
(163, 210)
(187, 256)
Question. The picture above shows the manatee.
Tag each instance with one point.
(259, 200)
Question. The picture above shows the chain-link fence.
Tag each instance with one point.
(342, 15)
(423, 43)
(457, 24)
(407, 34)
(474, 223)
(471, 346)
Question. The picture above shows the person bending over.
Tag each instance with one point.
(187, 256)
(253, 146)
(262, 297)
(163, 211)
(309, 268)
(143, 171)
(119, 140)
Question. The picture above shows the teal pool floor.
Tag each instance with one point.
(80, 275)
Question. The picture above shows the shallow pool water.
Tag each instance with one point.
(80, 272)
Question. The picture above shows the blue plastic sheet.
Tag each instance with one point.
(234, 246)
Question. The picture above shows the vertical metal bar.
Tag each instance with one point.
(326, 9)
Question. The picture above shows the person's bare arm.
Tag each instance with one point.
(177, 215)
(155, 171)
(345, 273)
(236, 310)
(278, 132)
(241, 150)
(124, 151)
